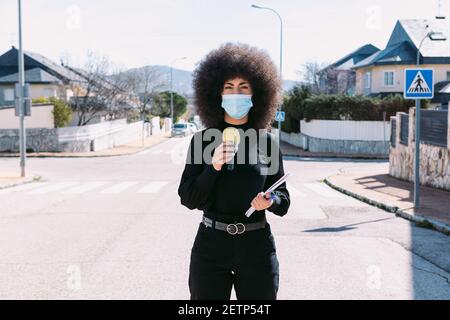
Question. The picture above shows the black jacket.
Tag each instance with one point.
(226, 195)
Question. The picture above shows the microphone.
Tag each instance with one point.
(231, 134)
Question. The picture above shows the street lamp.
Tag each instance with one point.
(433, 36)
(281, 52)
(171, 86)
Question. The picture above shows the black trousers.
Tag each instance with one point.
(220, 260)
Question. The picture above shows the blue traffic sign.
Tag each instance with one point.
(418, 84)
(279, 116)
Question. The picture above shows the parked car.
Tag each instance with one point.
(183, 129)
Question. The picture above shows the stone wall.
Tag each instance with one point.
(296, 139)
(76, 139)
(353, 147)
(434, 165)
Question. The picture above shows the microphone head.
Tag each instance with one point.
(231, 134)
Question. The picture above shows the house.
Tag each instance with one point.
(49, 79)
(339, 77)
(382, 72)
(46, 78)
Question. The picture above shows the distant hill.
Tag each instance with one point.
(182, 79)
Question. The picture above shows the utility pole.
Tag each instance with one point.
(20, 105)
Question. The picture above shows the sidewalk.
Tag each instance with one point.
(11, 179)
(372, 184)
(293, 151)
(125, 149)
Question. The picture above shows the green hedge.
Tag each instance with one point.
(341, 107)
(301, 104)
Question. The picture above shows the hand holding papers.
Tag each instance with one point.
(272, 188)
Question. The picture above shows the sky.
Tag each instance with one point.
(134, 33)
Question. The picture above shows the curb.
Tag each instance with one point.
(336, 156)
(7, 155)
(35, 178)
(437, 225)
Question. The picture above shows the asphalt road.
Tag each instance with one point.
(113, 228)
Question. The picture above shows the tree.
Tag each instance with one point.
(62, 113)
(310, 73)
(146, 83)
(97, 91)
(327, 79)
(161, 105)
(294, 106)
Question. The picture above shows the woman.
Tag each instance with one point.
(235, 86)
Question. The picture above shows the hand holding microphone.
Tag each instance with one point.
(222, 154)
(230, 136)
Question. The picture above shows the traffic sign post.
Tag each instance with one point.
(280, 116)
(419, 84)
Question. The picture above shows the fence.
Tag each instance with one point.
(393, 131)
(434, 148)
(433, 128)
(404, 129)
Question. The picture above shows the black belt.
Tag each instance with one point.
(234, 228)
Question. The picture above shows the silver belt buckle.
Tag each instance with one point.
(235, 228)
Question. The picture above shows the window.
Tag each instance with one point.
(448, 75)
(367, 78)
(8, 95)
(388, 79)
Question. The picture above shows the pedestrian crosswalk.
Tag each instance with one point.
(119, 187)
(53, 187)
(79, 187)
(84, 187)
(296, 190)
(153, 187)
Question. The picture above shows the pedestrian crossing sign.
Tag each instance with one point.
(418, 84)
(279, 116)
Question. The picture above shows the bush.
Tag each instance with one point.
(62, 113)
(133, 116)
(40, 100)
(293, 106)
(341, 107)
(301, 104)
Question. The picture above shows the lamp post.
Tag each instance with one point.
(434, 36)
(281, 52)
(171, 86)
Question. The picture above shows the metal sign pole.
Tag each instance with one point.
(21, 97)
(417, 156)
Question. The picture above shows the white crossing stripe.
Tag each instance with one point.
(323, 190)
(119, 187)
(53, 187)
(157, 151)
(23, 187)
(85, 187)
(153, 187)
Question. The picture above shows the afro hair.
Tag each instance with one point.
(229, 61)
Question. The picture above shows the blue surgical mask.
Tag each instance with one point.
(237, 105)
